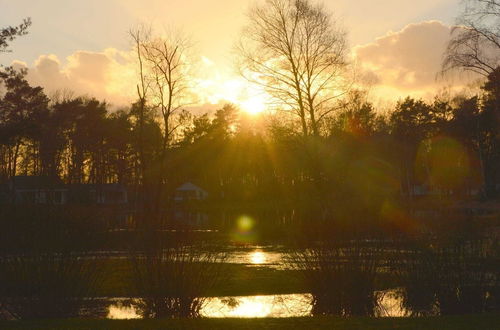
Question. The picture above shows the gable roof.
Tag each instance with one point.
(188, 186)
(35, 182)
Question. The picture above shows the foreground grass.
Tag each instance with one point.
(241, 280)
(486, 321)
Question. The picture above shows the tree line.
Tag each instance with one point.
(321, 137)
(82, 140)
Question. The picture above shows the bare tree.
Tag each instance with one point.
(296, 51)
(169, 67)
(139, 37)
(475, 41)
(163, 91)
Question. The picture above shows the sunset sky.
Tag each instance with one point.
(84, 45)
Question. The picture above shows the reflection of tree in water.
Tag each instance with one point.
(42, 272)
(231, 302)
(389, 304)
(174, 275)
(450, 277)
(340, 277)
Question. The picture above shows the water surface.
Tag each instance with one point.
(281, 305)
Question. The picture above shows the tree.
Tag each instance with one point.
(9, 33)
(168, 66)
(162, 91)
(200, 126)
(119, 151)
(296, 51)
(357, 117)
(411, 123)
(139, 36)
(475, 41)
(23, 109)
(490, 130)
(163, 88)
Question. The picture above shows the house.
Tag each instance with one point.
(4, 193)
(100, 194)
(425, 190)
(188, 191)
(51, 190)
(187, 210)
(37, 190)
(109, 194)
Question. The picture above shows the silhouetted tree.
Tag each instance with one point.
(357, 116)
(475, 41)
(295, 50)
(23, 110)
(169, 70)
(490, 129)
(139, 36)
(9, 33)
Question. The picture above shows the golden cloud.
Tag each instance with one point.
(107, 75)
(408, 62)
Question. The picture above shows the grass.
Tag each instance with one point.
(484, 321)
(242, 281)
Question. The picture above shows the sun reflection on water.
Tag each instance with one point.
(120, 312)
(258, 257)
(258, 306)
(282, 305)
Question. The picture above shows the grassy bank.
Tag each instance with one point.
(485, 321)
(241, 280)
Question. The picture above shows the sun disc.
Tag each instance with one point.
(253, 106)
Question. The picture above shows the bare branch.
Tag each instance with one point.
(294, 49)
(475, 41)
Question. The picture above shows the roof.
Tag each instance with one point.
(188, 186)
(107, 186)
(35, 182)
(95, 187)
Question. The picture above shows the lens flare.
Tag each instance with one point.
(443, 162)
(245, 223)
(244, 230)
(396, 216)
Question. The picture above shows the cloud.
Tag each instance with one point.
(47, 72)
(408, 60)
(111, 75)
(107, 75)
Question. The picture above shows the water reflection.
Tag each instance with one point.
(284, 305)
(258, 257)
(122, 311)
(290, 305)
(390, 304)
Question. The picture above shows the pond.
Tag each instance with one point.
(283, 305)
(334, 285)
(278, 305)
(263, 256)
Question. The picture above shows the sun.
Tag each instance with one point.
(253, 106)
(220, 87)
